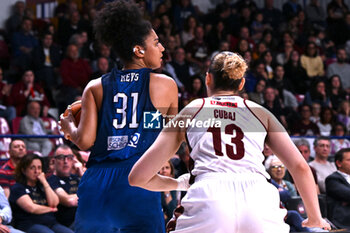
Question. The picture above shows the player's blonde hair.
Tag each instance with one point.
(228, 69)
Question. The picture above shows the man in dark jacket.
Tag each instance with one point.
(338, 190)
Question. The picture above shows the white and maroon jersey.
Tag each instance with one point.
(226, 137)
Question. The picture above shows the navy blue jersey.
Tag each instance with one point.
(126, 102)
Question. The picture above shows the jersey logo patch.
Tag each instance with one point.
(225, 104)
(152, 120)
(134, 140)
(117, 142)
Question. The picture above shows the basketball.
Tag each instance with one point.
(76, 111)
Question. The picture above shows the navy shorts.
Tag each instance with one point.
(107, 203)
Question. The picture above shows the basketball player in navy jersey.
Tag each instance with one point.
(231, 192)
(111, 126)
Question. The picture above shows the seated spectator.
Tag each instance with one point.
(7, 112)
(291, 8)
(102, 68)
(75, 73)
(65, 185)
(23, 42)
(326, 121)
(315, 112)
(7, 172)
(32, 200)
(339, 130)
(46, 61)
(103, 50)
(304, 148)
(187, 33)
(6, 215)
(338, 190)
(27, 90)
(169, 198)
(32, 124)
(277, 171)
(341, 68)
(322, 147)
(296, 74)
(16, 17)
(343, 115)
(196, 90)
(304, 126)
(336, 91)
(180, 70)
(258, 95)
(318, 94)
(272, 103)
(312, 62)
(197, 49)
(316, 14)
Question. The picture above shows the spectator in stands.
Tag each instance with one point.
(272, 16)
(315, 112)
(65, 185)
(32, 199)
(304, 147)
(67, 28)
(336, 91)
(284, 56)
(187, 33)
(326, 121)
(339, 130)
(336, 10)
(102, 68)
(197, 49)
(32, 124)
(75, 73)
(105, 51)
(7, 112)
(343, 115)
(277, 171)
(182, 10)
(15, 20)
(341, 68)
(6, 215)
(169, 199)
(258, 95)
(27, 90)
(17, 151)
(46, 61)
(322, 147)
(312, 62)
(291, 8)
(23, 43)
(180, 70)
(272, 103)
(316, 14)
(196, 90)
(338, 190)
(296, 74)
(305, 127)
(318, 94)
(243, 34)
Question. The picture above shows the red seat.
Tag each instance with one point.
(52, 125)
(15, 124)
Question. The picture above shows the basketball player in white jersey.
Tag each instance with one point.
(227, 134)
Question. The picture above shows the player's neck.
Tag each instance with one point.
(134, 65)
(222, 93)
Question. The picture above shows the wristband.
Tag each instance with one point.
(183, 182)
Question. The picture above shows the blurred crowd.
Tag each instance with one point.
(298, 59)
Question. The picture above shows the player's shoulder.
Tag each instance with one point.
(193, 108)
(162, 79)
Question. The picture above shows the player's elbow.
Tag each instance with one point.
(136, 180)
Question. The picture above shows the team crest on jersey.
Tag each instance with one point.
(117, 142)
(152, 120)
(224, 104)
(134, 140)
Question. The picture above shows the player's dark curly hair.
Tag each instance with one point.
(120, 25)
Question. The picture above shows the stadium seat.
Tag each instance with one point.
(15, 124)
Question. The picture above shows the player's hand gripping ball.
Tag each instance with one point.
(76, 111)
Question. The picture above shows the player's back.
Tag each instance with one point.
(230, 138)
(120, 133)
